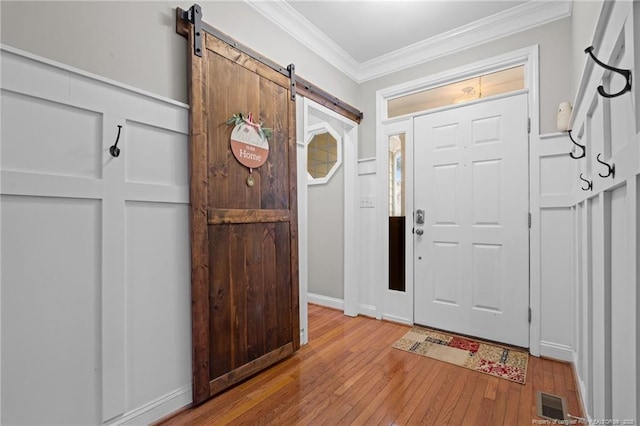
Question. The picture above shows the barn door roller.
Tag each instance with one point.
(194, 15)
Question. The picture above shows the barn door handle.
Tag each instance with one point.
(584, 149)
(611, 169)
(114, 150)
(625, 73)
(589, 184)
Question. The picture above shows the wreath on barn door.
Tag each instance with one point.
(249, 142)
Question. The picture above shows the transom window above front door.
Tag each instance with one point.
(482, 86)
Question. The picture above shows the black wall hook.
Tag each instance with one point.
(611, 169)
(589, 184)
(584, 149)
(114, 150)
(625, 73)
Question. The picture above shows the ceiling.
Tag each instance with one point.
(367, 39)
(368, 29)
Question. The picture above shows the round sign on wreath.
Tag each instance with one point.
(249, 142)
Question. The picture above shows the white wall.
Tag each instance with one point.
(326, 215)
(584, 17)
(326, 237)
(135, 42)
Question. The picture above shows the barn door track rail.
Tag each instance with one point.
(299, 85)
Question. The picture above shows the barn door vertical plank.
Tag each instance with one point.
(198, 154)
(293, 224)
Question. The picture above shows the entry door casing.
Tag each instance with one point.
(244, 238)
(472, 179)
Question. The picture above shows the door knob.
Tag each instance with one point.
(419, 231)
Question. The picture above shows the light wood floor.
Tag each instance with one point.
(350, 374)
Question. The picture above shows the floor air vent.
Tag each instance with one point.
(551, 407)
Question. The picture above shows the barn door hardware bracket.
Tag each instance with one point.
(584, 149)
(625, 73)
(589, 186)
(194, 15)
(292, 81)
(611, 169)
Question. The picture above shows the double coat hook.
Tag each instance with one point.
(625, 73)
(584, 149)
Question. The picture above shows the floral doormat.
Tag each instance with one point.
(499, 361)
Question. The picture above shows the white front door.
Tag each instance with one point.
(471, 169)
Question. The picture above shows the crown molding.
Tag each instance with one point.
(296, 25)
(528, 15)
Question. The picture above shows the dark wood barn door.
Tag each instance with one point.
(244, 238)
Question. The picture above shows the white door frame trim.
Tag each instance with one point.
(529, 57)
(351, 192)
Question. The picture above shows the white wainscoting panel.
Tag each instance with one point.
(44, 128)
(369, 244)
(170, 151)
(158, 260)
(607, 321)
(551, 240)
(50, 310)
(95, 249)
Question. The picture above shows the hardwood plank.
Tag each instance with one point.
(499, 408)
(438, 403)
(350, 374)
(463, 401)
(491, 390)
(525, 413)
(449, 404)
(420, 411)
(198, 153)
(513, 399)
(473, 408)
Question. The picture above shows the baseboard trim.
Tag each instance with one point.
(580, 389)
(326, 301)
(556, 351)
(367, 310)
(162, 407)
(400, 320)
